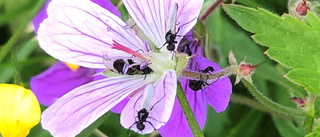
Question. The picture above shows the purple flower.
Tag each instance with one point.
(217, 95)
(57, 81)
(83, 33)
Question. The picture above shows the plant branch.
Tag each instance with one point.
(214, 5)
(271, 104)
(256, 105)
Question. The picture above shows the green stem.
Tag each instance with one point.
(256, 105)
(98, 133)
(271, 104)
(8, 46)
(188, 112)
(16, 70)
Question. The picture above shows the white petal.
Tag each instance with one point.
(80, 32)
(188, 12)
(79, 108)
(149, 16)
(155, 18)
(160, 106)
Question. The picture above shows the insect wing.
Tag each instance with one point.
(146, 96)
(173, 18)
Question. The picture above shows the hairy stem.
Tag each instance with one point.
(198, 75)
(8, 46)
(271, 104)
(256, 105)
(188, 112)
(16, 70)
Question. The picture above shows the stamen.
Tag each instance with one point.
(118, 46)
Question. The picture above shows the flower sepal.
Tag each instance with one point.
(243, 70)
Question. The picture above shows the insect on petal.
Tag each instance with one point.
(79, 108)
(158, 102)
(80, 32)
(188, 12)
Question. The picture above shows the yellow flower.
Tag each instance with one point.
(19, 111)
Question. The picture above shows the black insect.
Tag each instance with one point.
(196, 85)
(170, 40)
(209, 68)
(186, 49)
(118, 65)
(136, 69)
(143, 114)
(133, 70)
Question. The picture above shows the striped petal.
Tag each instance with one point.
(159, 107)
(76, 110)
(149, 16)
(81, 32)
(155, 17)
(42, 14)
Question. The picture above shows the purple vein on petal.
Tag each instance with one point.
(80, 107)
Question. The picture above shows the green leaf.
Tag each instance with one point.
(291, 42)
(228, 36)
(315, 133)
(251, 119)
(317, 108)
(308, 122)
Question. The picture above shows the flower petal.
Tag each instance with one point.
(80, 32)
(149, 16)
(19, 110)
(76, 110)
(198, 104)
(154, 19)
(57, 81)
(42, 14)
(107, 4)
(218, 93)
(188, 12)
(119, 107)
(160, 108)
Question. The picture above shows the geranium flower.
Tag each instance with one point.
(19, 111)
(61, 77)
(83, 33)
(217, 94)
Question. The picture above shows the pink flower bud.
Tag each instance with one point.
(246, 69)
(300, 101)
(302, 8)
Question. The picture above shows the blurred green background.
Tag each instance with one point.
(244, 116)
